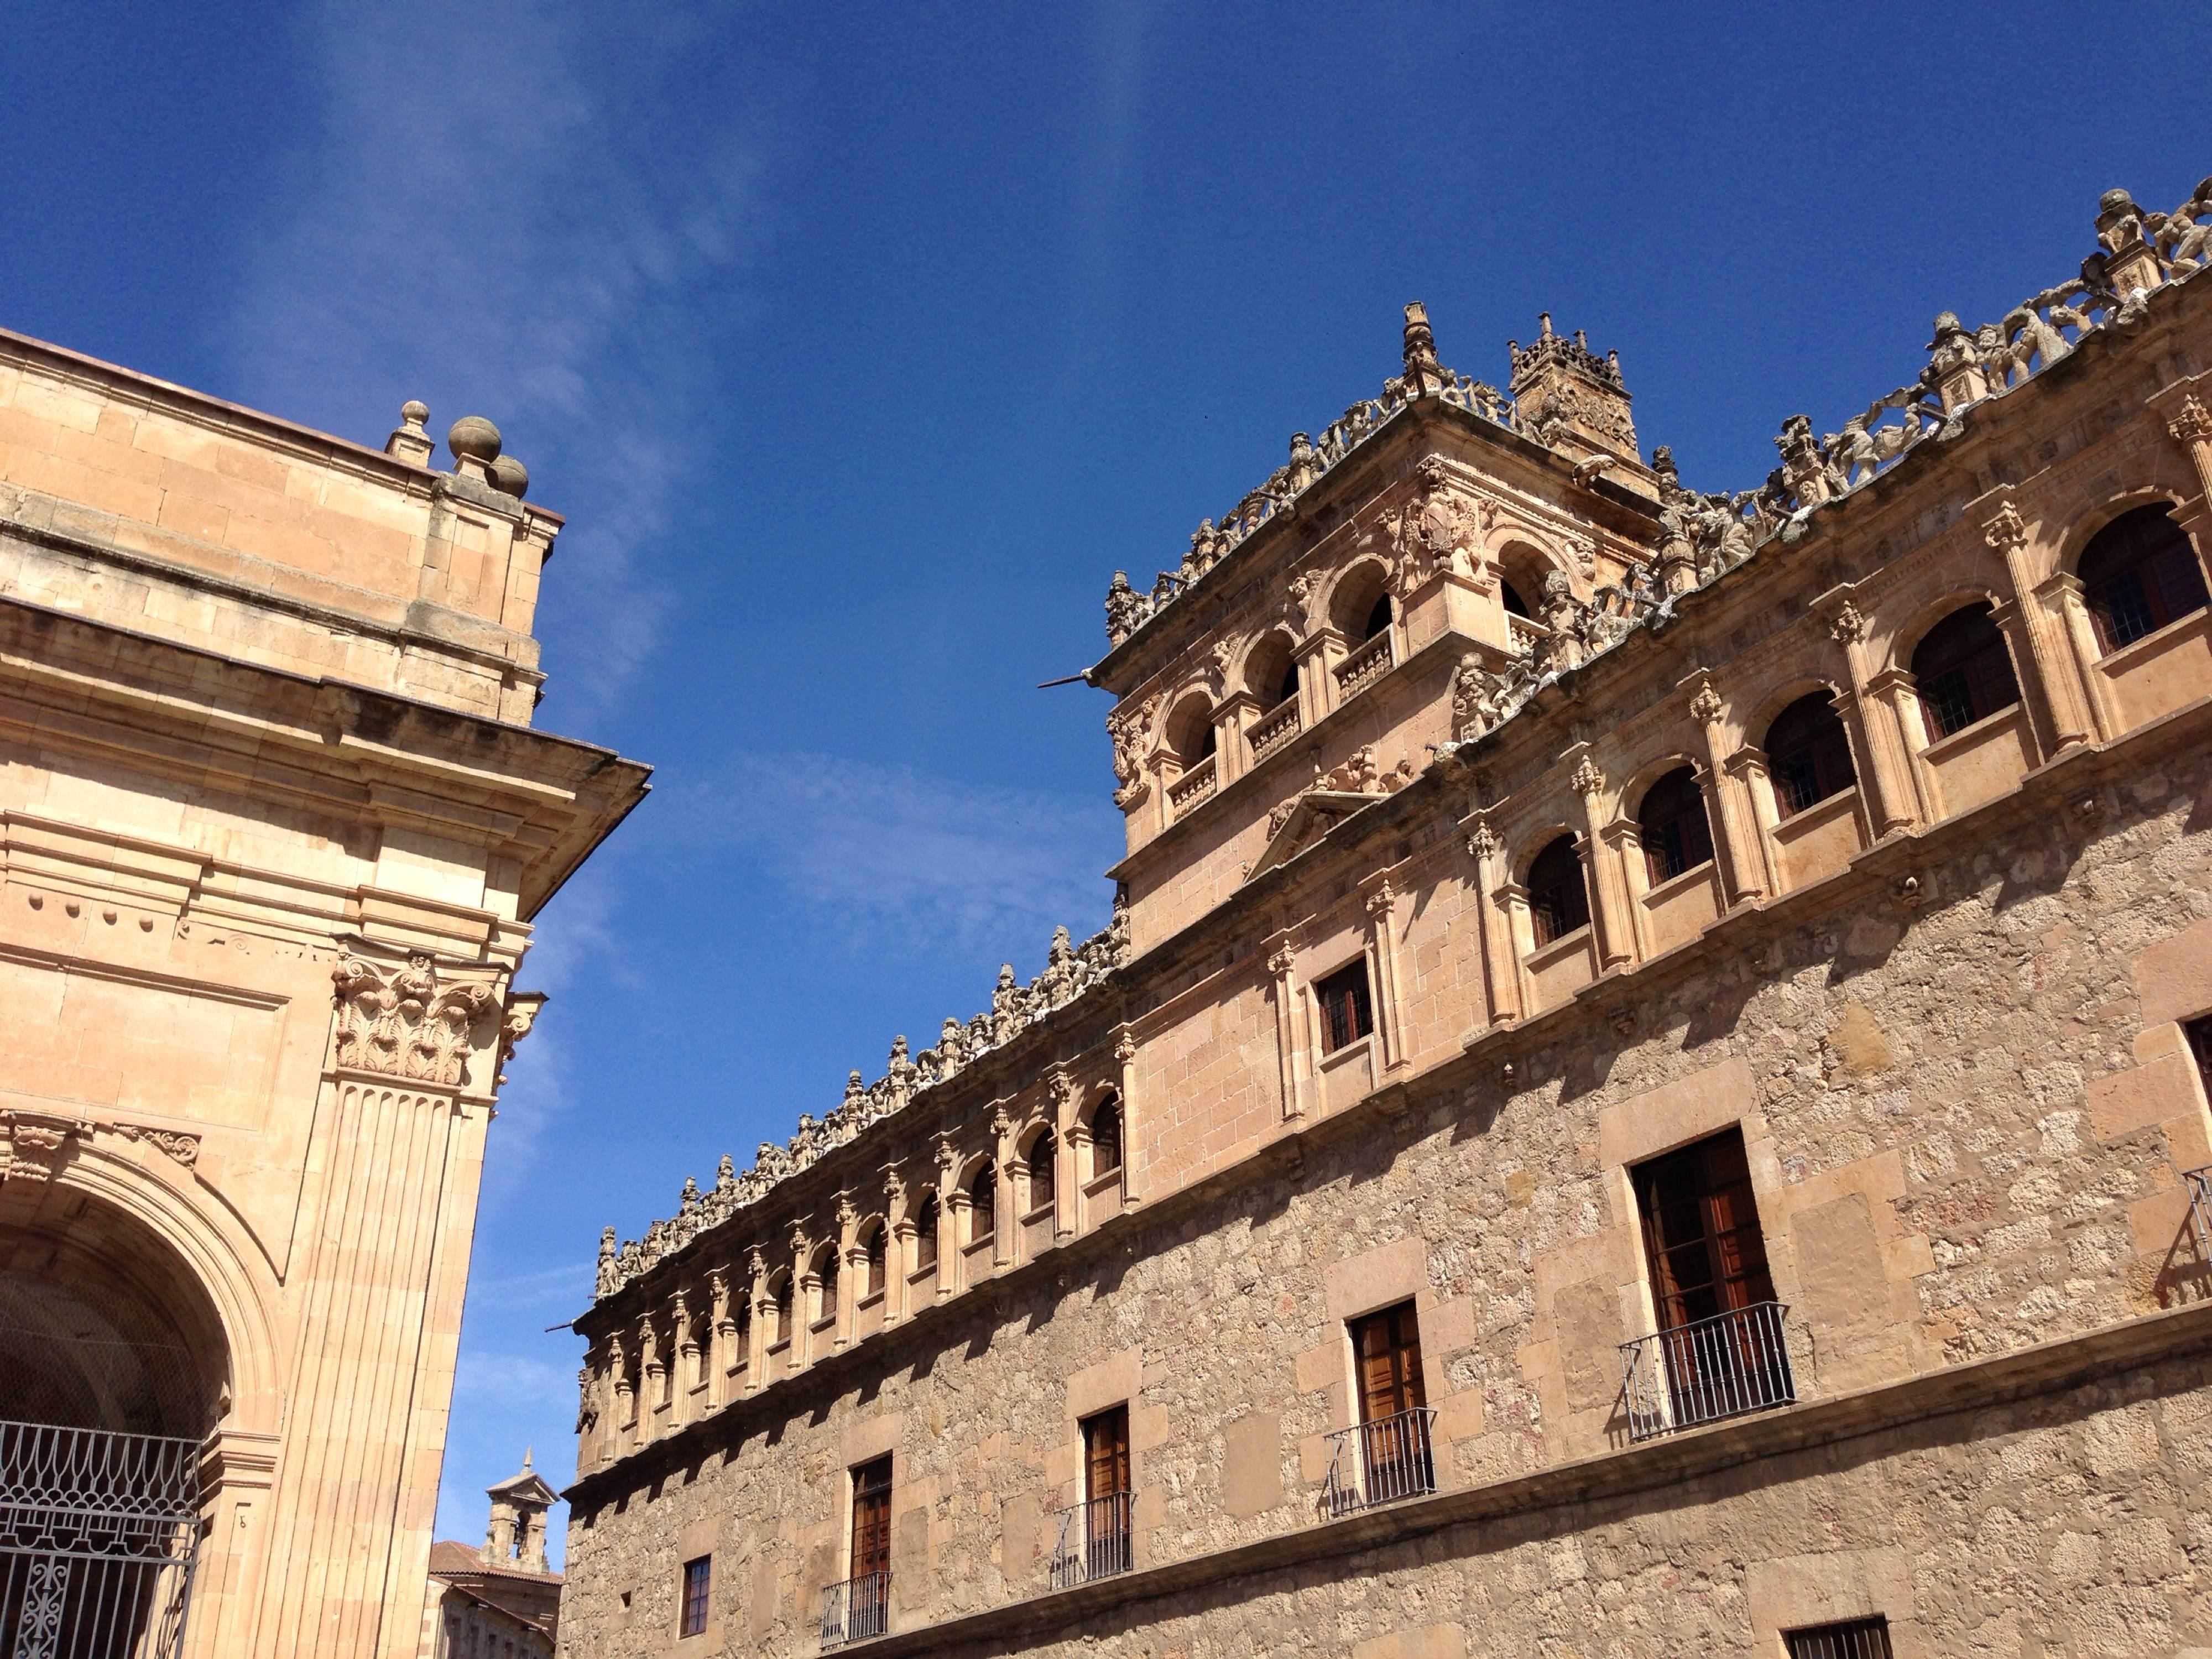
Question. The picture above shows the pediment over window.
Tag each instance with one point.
(1305, 822)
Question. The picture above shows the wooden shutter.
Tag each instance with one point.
(1106, 1454)
(1387, 1347)
(1701, 1233)
(872, 1517)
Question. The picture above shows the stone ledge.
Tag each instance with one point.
(2046, 1369)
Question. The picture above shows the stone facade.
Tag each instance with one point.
(273, 826)
(1937, 974)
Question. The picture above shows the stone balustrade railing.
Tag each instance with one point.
(1071, 971)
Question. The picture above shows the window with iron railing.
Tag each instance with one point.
(2138, 574)
(1719, 1350)
(860, 1606)
(1387, 1454)
(1964, 670)
(1094, 1540)
(1347, 1011)
(1859, 1638)
(1809, 755)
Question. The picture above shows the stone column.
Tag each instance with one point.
(653, 1373)
(721, 1355)
(951, 1206)
(1747, 768)
(687, 1358)
(2045, 659)
(1382, 904)
(1066, 1183)
(625, 1400)
(1609, 894)
(1743, 866)
(898, 1240)
(1896, 694)
(2063, 594)
(764, 1310)
(847, 1291)
(1293, 1057)
(1501, 966)
(1876, 740)
(2191, 428)
(1232, 720)
(1125, 1056)
(804, 1285)
(1624, 852)
(1005, 1213)
(1319, 652)
(2012, 621)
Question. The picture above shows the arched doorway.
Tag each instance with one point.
(113, 1368)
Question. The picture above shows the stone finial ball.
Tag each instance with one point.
(413, 412)
(474, 438)
(510, 476)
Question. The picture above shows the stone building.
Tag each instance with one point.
(1645, 1095)
(502, 1601)
(273, 826)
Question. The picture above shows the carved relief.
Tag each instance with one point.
(404, 1023)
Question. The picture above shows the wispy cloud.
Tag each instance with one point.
(891, 857)
(484, 221)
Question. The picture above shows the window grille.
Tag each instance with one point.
(1106, 1137)
(1809, 755)
(1559, 896)
(1676, 835)
(2139, 574)
(1346, 1009)
(1964, 670)
(1387, 1456)
(1860, 1639)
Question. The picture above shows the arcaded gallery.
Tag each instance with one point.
(1644, 1092)
(273, 826)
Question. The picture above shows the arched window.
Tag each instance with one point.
(1515, 605)
(873, 1284)
(1676, 834)
(983, 1204)
(925, 1232)
(1272, 672)
(1559, 900)
(1194, 736)
(1377, 619)
(825, 1276)
(1106, 1137)
(1964, 670)
(782, 1331)
(1287, 687)
(1044, 1152)
(1808, 754)
(2139, 573)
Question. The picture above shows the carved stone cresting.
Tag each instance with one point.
(403, 1022)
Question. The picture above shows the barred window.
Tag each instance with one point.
(1676, 835)
(1044, 1152)
(2139, 573)
(1346, 1009)
(925, 1231)
(1809, 753)
(1859, 1638)
(1106, 1137)
(1964, 670)
(1558, 898)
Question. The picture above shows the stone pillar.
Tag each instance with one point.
(804, 1285)
(1293, 1057)
(1742, 865)
(686, 1336)
(1319, 652)
(1067, 1180)
(1877, 740)
(1609, 894)
(847, 1290)
(1511, 899)
(951, 1206)
(1232, 719)
(653, 1373)
(2191, 428)
(764, 1310)
(722, 1354)
(1624, 852)
(1005, 1213)
(1380, 900)
(2063, 594)
(1747, 768)
(625, 1400)
(898, 1240)
(2012, 621)
(2032, 625)
(1501, 968)
(1895, 694)
(1125, 1056)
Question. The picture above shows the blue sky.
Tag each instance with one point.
(860, 345)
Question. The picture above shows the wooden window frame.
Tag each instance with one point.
(2166, 578)
(1347, 1005)
(1045, 1170)
(926, 1215)
(983, 1204)
(698, 1589)
(1963, 671)
(1099, 1167)
(870, 1538)
(1712, 1177)
(1112, 1454)
(1814, 768)
(1550, 921)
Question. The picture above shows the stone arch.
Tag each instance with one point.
(1522, 565)
(1771, 703)
(2085, 528)
(872, 1253)
(1106, 1110)
(1187, 732)
(1945, 597)
(1036, 1150)
(1536, 841)
(1353, 596)
(1650, 772)
(1271, 666)
(136, 1185)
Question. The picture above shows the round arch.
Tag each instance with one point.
(1659, 766)
(2084, 530)
(1270, 667)
(1773, 702)
(1353, 596)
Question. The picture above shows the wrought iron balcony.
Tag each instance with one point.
(856, 1609)
(2199, 1182)
(1094, 1541)
(1379, 1462)
(1706, 1370)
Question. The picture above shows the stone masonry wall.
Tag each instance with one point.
(1965, 1122)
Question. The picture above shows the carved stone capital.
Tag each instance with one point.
(1705, 704)
(404, 1023)
(1482, 842)
(2007, 530)
(1589, 782)
(1125, 1047)
(1849, 627)
(1380, 901)
(2192, 423)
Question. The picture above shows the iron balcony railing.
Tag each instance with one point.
(2199, 1182)
(1379, 1462)
(856, 1609)
(1710, 1369)
(1094, 1541)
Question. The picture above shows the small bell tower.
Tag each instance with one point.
(515, 1540)
(1571, 399)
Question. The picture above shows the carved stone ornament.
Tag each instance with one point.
(1481, 842)
(1065, 1090)
(1705, 705)
(404, 1023)
(1380, 901)
(1282, 962)
(2008, 530)
(184, 1148)
(1849, 627)
(34, 1145)
(2192, 423)
(1125, 1048)
(522, 1011)
(1588, 781)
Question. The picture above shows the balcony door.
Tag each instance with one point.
(871, 1549)
(1708, 1263)
(1106, 1492)
(1393, 1441)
